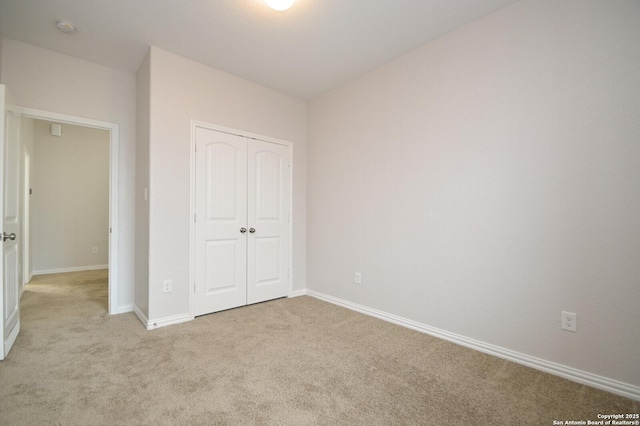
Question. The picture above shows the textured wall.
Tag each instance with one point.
(143, 102)
(70, 200)
(182, 90)
(45, 80)
(488, 180)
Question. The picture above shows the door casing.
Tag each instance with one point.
(27, 272)
(113, 130)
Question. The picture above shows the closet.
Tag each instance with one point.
(242, 228)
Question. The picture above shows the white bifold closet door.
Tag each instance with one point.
(242, 229)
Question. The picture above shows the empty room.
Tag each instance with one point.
(416, 212)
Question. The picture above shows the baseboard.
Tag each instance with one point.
(298, 293)
(142, 317)
(161, 322)
(72, 269)
(124, 309)
(619, 388)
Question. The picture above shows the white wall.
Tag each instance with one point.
(45, 80)
(488, 180)
(70, 201)
(182, 90)
(143, 109)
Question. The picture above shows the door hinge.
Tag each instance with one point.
(289, 218)
(194, 287)
(194, 218)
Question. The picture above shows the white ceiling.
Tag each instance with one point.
(311, 48)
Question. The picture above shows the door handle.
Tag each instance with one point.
(11, 236)
(252, 230)
(243, 230)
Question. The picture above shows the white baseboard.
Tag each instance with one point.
(124, 309)
(72, 269)
(298, 293)
(579, 376)
(161, 322)
(142, 317)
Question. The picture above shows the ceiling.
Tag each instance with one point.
(313, 47)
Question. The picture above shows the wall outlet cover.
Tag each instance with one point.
(569, 321)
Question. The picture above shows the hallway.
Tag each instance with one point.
(83, 293)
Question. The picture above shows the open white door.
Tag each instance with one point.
(9, 250)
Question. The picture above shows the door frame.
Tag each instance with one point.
(192, 196)
(113, 130)
(27, 271)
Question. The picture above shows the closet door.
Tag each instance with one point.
(220, 222)
(269, 198)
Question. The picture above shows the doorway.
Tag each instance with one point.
(111, 245)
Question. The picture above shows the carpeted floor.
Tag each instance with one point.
(294, 361)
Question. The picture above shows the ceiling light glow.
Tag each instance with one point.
(279, 4)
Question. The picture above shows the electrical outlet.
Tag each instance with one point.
(358, 278)
(94, 250)
(167, 286)
(569, 321)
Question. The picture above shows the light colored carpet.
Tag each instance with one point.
(294, 361)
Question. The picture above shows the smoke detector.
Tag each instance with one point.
(66, 27)
(55, 129)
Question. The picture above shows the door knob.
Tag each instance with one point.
(243, 230)
(11, 236)
(252, 230)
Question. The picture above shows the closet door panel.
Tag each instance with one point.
(269, 187)
(221, 214)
